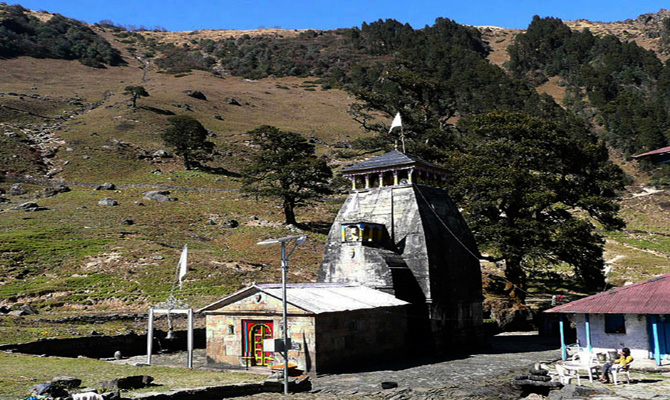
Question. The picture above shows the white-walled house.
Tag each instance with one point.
(636, 316)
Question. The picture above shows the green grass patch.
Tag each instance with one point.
(51, 245)
(18, 373)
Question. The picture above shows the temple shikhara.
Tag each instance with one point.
(400, 273)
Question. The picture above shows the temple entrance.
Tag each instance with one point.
(253, 333)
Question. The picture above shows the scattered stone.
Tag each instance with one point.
(293, 228)
(574, 391)
(162, 154)
(30, 206)
(127, 222)
(4, 310)
(138, 203)
(233, 102)
(4, 199)
(159, 195)
(157, 258)
(108, 202)
(94, 333)
(129, 382)
(28, 309)
(217, 116)
(17, 190)
(86, 157)
(49, 390)
(52, 191)
(342, 144)
(157, 172)
(117, 355)
(196, 94)
(106, 186)
(230, 224)
(111, 395)
(66, 382)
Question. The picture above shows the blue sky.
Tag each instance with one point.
(176, 15)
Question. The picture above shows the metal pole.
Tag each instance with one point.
(587, 328)
(189, 363)
(284, 267)
(150, 335)
(657, 344)
(564, 352)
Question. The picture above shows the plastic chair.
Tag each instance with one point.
(621, 370)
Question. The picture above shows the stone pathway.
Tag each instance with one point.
(482, 376)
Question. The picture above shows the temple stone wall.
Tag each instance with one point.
(435, 267)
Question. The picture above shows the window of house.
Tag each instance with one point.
(615, 323)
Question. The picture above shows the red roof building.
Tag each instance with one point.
(636, 316)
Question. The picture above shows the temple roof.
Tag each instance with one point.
(317, 298)
(391, 159)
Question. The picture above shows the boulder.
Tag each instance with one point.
(108, 202)
(30, 206)
(28, 309)
(66, 382)
(159, 195)
(196, 94)
(54, 190)
(233, 102)
(49, 390)
(129, 382)
(162, 154)
(106, 186)
(17, 190)
(231, 223)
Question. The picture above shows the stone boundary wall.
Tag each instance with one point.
(245, 389)
(105, 346)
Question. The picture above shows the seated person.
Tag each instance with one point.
(623, 362)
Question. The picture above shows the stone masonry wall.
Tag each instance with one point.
(635, 338)
(224, 331)
(347, 339)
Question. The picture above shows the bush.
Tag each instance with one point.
(24, 35)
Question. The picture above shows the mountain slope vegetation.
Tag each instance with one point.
(64, 121)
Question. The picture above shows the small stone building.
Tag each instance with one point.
(328, 324)
(400, 232)
(636, 316)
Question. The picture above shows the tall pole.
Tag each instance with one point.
(284, 268)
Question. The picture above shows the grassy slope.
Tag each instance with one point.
(78, 254)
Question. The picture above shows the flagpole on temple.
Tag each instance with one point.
(397, 121)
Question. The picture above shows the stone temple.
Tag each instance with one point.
(400, 233)
(400, 274)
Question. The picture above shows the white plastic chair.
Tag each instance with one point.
(621, 370)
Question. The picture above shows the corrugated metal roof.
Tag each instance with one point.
(390, 159)
(318, 298)
(647, 297)
(662, 150)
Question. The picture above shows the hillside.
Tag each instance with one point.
(67, 122)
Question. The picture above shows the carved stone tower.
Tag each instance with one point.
(400, 233)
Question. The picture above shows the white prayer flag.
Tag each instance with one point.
(182, 264)
(396, 122)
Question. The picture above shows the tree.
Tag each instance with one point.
(531, 190)
(188, 138)
(285, 166)
(135, 92)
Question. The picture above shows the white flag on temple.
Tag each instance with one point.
(396, 122)
(182, 264)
